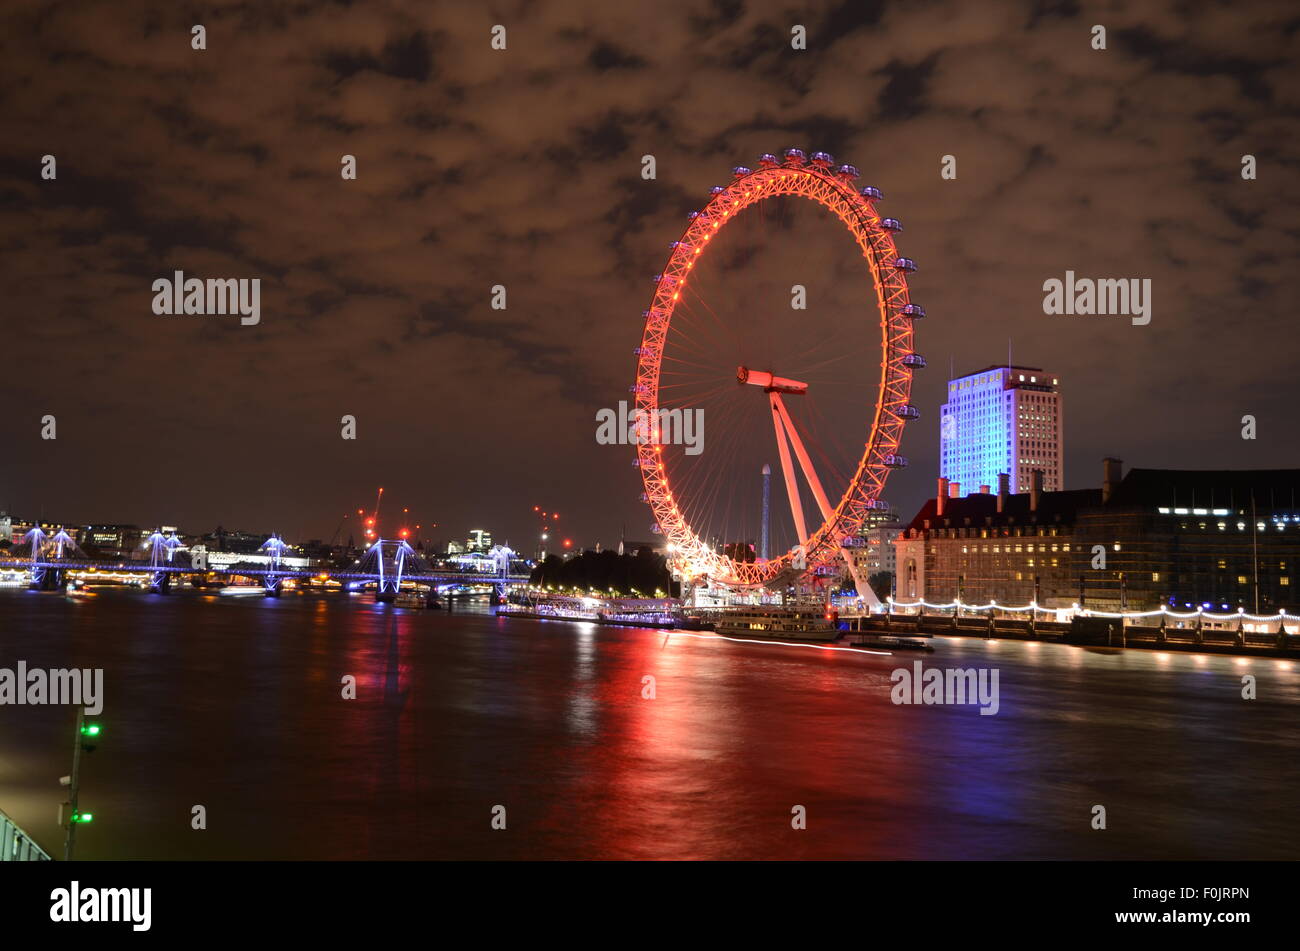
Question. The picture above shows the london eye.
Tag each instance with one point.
(823, 390)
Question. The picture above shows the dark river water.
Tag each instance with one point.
(235, 704)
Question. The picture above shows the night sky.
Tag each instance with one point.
(522, 167)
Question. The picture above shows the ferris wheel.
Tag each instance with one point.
(821, 539)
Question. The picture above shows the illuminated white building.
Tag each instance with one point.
(1002, 419)
(223, 560)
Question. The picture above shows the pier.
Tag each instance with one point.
(1161, 630)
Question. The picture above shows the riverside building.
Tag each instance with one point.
(1217, 539)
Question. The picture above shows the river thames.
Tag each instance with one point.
(234, 703)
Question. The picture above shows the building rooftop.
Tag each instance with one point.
(999, 366)
(1053, 508)
(1140, 488)
(1209, 488)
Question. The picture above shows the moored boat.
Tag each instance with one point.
(625, 612)
(891, 642)
(792, 623)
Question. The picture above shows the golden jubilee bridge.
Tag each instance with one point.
(387, 564)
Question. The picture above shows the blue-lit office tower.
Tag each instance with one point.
(1001, 419)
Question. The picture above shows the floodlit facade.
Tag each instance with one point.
(1002, 419)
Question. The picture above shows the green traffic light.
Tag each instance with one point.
(83, 817)
(90, 729)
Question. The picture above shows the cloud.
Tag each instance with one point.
(522, 167)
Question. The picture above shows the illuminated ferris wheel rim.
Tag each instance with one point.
(832, 187)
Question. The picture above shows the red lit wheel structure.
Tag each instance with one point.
(824, 538)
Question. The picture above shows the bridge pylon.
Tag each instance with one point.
(162, 551)
(391, 559)
(47, 552)
(272, 581)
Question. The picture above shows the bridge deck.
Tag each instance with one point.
(446, 577)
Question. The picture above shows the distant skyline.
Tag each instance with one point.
(522, 168)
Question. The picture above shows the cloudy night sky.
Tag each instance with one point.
(522, 167)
